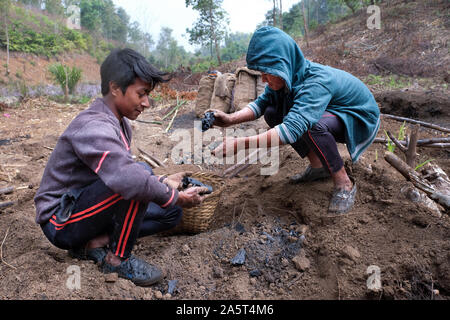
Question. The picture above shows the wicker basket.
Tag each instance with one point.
(198, 219)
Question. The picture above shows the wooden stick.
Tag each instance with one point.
(6, 190)
(396, 142)
(175, 109)
(420, 142)
(422, 123)
(6, 204)
(240, 169)
(230, 169)
(149, 161)
(437, 145)
(158, 162)
(1, 251)
(411, 152)
(171, 121)
(149, 122)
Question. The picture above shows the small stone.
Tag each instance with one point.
(172, 285)
(167, 296)
(301, 262)
(111, 277)
(203, 288)
(217, 272)
(253, 281)
(292, 239)
(303, 228)
(185, 249)
(284, 262)
(158, 295)
(351, 253)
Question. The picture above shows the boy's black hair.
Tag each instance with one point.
(123, 66)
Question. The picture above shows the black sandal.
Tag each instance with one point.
(137, 270)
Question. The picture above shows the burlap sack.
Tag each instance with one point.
(223, 92)
(260, 86)
(205, 92)
(245, 88)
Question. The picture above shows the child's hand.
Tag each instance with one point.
(222, 119)
(191, 197)
(174, 180)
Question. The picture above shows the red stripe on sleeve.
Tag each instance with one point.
(170, 200)
(101, 161)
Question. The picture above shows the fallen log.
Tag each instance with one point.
(422, 123)
(418, 182)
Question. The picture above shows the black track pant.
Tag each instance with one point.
(97, 210)
(321, 138)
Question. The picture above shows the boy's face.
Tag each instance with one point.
(133, 102)
(274, 82)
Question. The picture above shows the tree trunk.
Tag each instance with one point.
(281, 14)
(5, 17)
(305, 24)
(274, 13)
(217, 50)
(7, 48)
(66, 87)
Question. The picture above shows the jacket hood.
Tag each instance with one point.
(274, 52)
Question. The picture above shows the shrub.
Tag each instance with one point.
(73, 76)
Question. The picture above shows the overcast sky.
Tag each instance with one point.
(244, 15)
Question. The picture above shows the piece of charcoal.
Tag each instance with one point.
(208, 120)
(255, 273)
(239, 228)
(239, 259)
(172, 286)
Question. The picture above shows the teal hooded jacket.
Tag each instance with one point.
(311, 89)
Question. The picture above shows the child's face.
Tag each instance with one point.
(274, 82)
(134, 101)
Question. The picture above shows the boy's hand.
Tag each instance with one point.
(222, 119)
(191, 197)
(174, 180)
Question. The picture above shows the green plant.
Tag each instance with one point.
(65, 76)
(401, 132)
(422, 164)
(400, 136)
(390, 144)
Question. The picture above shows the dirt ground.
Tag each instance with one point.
(294, 251)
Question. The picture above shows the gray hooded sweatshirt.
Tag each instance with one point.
(95, 146)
